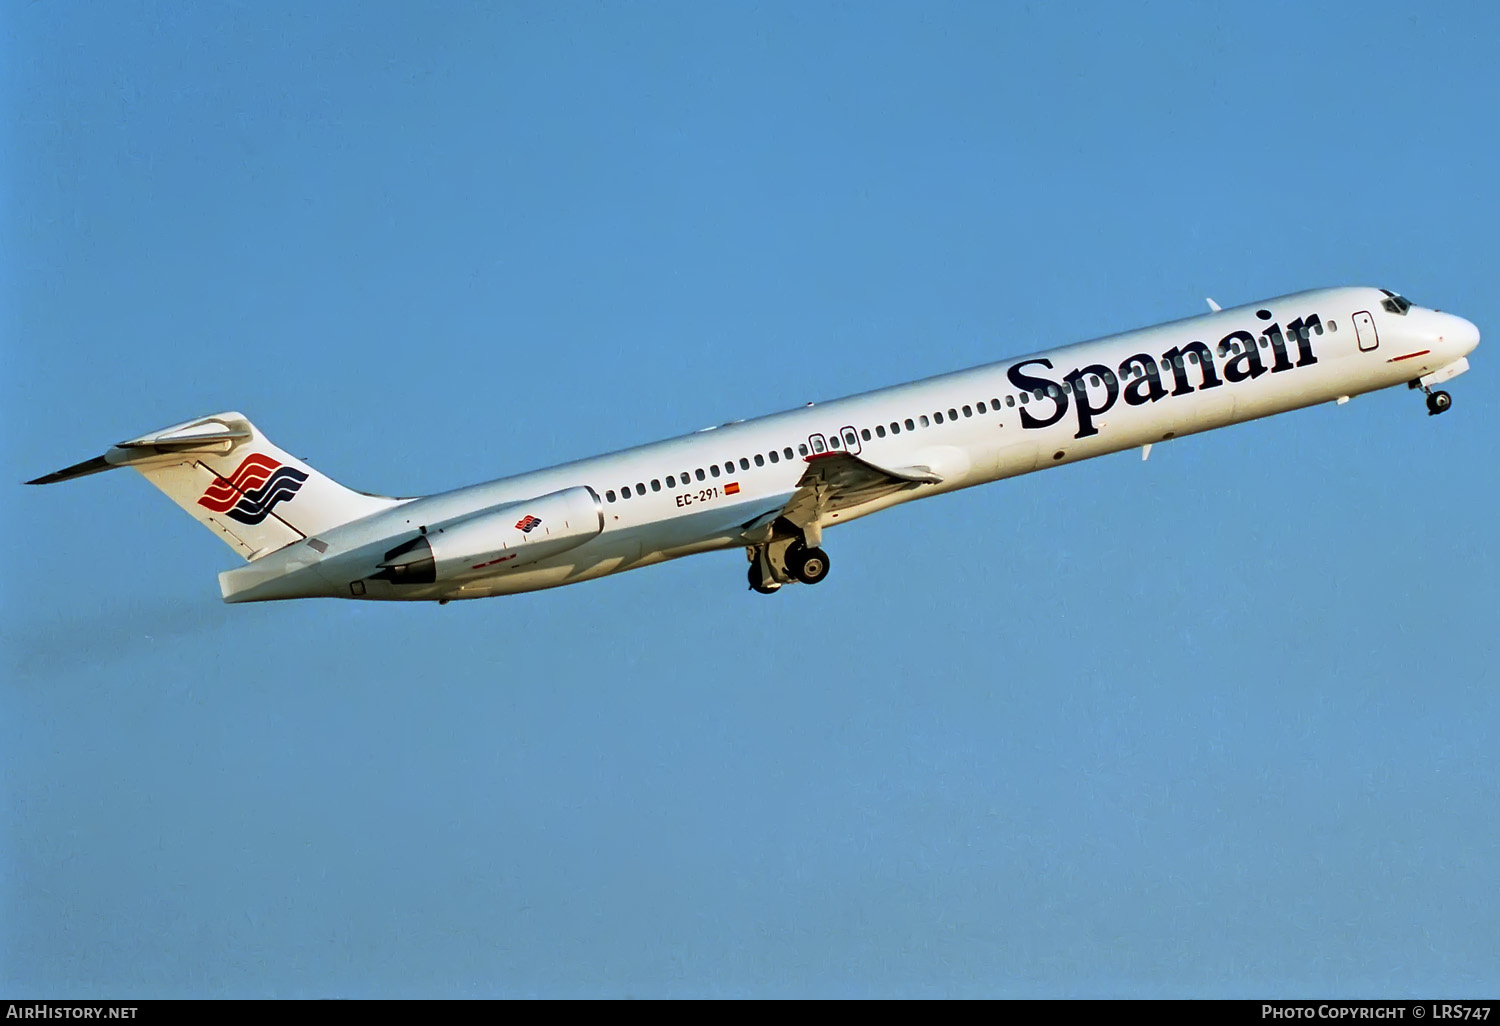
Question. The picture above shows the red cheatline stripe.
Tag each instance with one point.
(1408, 356)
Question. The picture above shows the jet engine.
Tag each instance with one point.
(497, 539)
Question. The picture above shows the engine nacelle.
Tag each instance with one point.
(497, 539)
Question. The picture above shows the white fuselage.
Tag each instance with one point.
(699, 491)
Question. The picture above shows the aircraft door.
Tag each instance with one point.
(1364, 328)
(851, 441)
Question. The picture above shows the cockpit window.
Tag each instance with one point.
(1394, 303)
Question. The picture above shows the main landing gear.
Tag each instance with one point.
(759, 584)
(808, 565)
(798, 561)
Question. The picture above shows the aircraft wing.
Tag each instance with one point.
(836, 481)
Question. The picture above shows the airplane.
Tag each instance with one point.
(773, 484)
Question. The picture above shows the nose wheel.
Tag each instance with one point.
(1438, 402)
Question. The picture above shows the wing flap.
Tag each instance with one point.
(835, 481)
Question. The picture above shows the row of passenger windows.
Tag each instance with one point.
(895, 427)
(834, 442)
(687, 478)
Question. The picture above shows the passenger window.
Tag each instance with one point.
(1094, 380)
(1054, 391)
(609, 496)
(714, 470)
(744, 463)
(817, 445)
(1317, 328)
(640, 488)
(1010, 400)
(801, 450)
(880, 430)
(833, 443)
(625, 492)
(850, 441)
(980, 406)
(910, 426)
(760, 461)
(729, 467)
(1025, 398)
(699, 474)
(1038, 394)
(1333, 325)
(865, 434)
(655, 484)
(968, 412)
(671, 481)
(1177, 360)
(952, 414)
(995, 405)
(923, 419)
(937, 418)
(774, 458)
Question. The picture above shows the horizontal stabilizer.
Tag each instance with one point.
(87, 467)
(253, 496)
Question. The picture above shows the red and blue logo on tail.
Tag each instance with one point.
(253, 490)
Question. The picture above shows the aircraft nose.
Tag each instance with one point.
(1462, 335)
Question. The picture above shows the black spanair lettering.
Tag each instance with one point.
(1047, 389)
(1302, 330)
(1148, 387)
(1077, 381)
(1278, 344)
(1177, 358)
(1246, 363)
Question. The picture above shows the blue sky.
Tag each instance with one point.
(1220, 724)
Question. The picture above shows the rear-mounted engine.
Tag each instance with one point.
(497, 539)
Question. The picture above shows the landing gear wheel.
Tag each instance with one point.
(757, 586)
(807, 565)
(1438, 402)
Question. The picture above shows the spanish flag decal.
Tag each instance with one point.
(732, 488)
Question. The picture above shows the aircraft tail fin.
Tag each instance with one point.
(228, 476)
